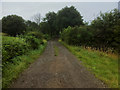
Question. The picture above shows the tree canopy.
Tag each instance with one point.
(68, 16)
(65, 17)
(103, 33)
(13, 25)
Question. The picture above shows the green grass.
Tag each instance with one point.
(102, 65)
(56, 49)
(12, 71)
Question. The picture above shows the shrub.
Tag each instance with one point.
(34, 42)
(12, 47)
(76, 35)
(34, 38)
(47, 37)
(36, 34)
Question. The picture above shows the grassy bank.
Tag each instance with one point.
(103, 66)
(12, 70)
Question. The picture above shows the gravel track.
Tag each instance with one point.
(62, 71)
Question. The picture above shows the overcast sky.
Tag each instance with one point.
(59, 0)
(89, 10)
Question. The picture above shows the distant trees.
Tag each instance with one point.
(0, 25)
(31, 25)
(56, 22)
(44, 27)
(102, 34)
(50, 19)
(106, 30)
(13, 25)
(68, 16)
(37, 18)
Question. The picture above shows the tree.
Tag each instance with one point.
(45, 28)
(105, 27)
(51, 21)
(68, 16)
(13, 25)
(102, 34)
(31, 25)
(0, 25)
(37, 18)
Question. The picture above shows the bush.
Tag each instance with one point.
(76, 35)
(12, 47)
(15, 46)
(33, 42)
(34, 38)
(36, 34)
(47, 37)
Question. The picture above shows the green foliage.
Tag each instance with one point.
(13, 25)
(103, 33)
(44, 27)
(12, 70)
(19, 51)
(36, 34)
(16, 46)
(106, 30)
(76, 35)
(102, 65)
(68, 16)
(16, 57)
(31, 26)
(33, 38)
(33, 42)
(12, 47)
(47, 36)
(50, 20)
(54, 22)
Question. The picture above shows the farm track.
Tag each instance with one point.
(61, 71)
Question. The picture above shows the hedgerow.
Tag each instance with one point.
(16, 46)
(12, 47)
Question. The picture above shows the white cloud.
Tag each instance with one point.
(60, 0)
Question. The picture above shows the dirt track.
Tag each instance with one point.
(62, 71)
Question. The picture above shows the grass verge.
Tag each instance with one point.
(56, 50)
(12, 70)
(103, 66)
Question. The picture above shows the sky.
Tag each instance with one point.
(89, 10)
(59, 0)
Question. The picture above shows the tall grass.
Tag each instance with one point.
(103, 66)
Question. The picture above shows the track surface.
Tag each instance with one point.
(62, 71)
